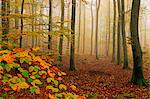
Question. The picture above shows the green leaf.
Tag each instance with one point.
(55, 82)
(59, 95)
(30, 80)
(27, 60)
(55, 89)
(32, 89)
(36, 68)
(49, 87)
(37, 76)
(42, 72)
(62, 86)
(25, 73)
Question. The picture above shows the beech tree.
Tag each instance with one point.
(61, 36)
(50, 25)
(118, 34)
(22, 9)
(5, 21)
(137, 75)
(114, 32)
(72, 47)
(96, 30)
(125, 54)
(92, 23)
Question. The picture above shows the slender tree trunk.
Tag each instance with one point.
(33, 23)
(68, 26)
(92, 23)
(22, 9)
(5, 23)
(125, 64)
(61, 36)
(114, 33)
(84, 14)
(108, 28)
(96, 30)
(72, 49)
(80, 3)
(118, 35)
(16, 12)
(137, 76)
(50, 25)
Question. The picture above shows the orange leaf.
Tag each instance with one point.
(51, 74)
(59, 78)
(51, 96)
(44, 76)
(8, 58)
(80, 97)
(19, 75)
(7, 89)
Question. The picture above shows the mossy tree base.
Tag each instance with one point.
(140, 82)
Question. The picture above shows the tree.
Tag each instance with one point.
(22, 9)
(84, 14)
(5, 21)
(92, 23)
(118, 35)
(137, 75)
(96, 30)
(33, 21)
(61, 36)
(80, 3)
(114, 33)
(125, 64)
(108, 28)
(72, 48)
(50, 25)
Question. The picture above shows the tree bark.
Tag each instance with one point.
(80, 3)
(84, 14)
(61, 36)
(50, 25)
(125, 64)
(118, 35)
(22, 9)
(96, 30)
(114, 33)
(137, 76)
(92, 23)
(72, 49)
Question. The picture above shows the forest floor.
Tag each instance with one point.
(100, 79)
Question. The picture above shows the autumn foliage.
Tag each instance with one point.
(22, 70)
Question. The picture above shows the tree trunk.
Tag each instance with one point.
(68, 26)
(108, 28)
(80, 3)
(33, 23)
(137, 76)
(61, 36)
(22, 9)
(5, 23)
(125, 64)
(96, 30)
(72, 64)
(92, 23)
(84, 12)
(114, 33)
(50, 25)
(118, 35)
